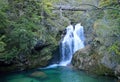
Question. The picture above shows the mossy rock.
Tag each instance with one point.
(101, 28)
(88, 60)
(101, 69)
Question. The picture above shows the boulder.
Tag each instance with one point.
(89, 60)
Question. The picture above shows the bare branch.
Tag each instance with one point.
(69, 8)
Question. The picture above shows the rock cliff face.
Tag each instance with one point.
(102, 31)
(98, 56)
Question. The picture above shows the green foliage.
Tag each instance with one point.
(102, 29)
(22, 24)
(115, 48)
(3, 22)
(107, 2)
(2, 3)
(112, 20)
(2, 46)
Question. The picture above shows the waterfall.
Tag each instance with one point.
(72, 41)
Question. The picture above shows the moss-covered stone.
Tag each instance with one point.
(102, 70)
(88, 60)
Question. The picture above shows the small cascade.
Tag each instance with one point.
(78, 37)
(72, 41)
(67, 46)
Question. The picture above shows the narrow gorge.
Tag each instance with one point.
(60, 40)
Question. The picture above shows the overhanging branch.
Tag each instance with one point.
(69, 8)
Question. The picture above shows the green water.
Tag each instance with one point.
(58, 74)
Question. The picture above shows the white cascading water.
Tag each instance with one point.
(73, 41)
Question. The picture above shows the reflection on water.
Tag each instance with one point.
(58, 74)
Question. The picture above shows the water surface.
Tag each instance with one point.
(57, 74)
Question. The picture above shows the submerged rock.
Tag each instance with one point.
(39, 74)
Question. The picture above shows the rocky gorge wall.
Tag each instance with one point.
(99, 57)
(101, 27)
